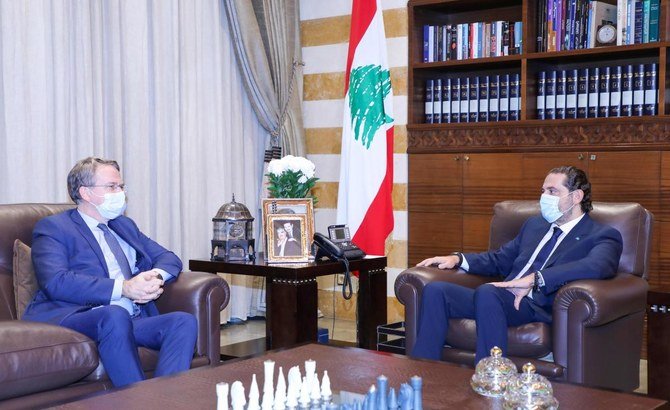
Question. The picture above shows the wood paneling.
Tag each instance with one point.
(436, 183)
(432, 233)
(490, 178)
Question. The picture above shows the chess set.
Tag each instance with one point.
(306, 393)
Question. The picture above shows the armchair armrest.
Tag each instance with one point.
(204, 295)
(586, 304)
(409, 286)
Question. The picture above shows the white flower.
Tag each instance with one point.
(290, 163)
(276, 167)
(302, 179)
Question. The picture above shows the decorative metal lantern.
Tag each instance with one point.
(233, 233)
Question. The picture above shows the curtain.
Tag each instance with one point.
(152, 84)
(266, 34)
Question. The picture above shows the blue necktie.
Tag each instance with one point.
(544, 252)
(117, 251)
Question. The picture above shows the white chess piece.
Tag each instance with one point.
(326, 393)
(315, 391)
(237, 396)
(310, 368)
(254, 394)
(268, 384)
(294, 385)
(304, 393)
(222, 396)
(280, 393)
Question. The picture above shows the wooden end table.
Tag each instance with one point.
(291, 296)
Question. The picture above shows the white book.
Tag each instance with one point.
(621, 16)
(431, 44)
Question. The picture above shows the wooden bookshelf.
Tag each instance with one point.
(458, 171)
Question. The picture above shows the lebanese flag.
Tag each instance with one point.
(366, 167)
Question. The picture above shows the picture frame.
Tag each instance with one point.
(298, 206)
(287, 238)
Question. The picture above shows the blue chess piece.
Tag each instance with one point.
(417, 383)
(392, 400)
(382, 382)
(406, 397)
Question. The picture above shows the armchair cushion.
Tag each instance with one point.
(25, 283)
(29, 364)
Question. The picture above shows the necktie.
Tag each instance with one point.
(542, 256)
(117, 251)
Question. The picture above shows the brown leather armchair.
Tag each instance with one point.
(596, 335)
(42, 364)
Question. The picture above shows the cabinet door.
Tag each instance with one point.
(487, 179)
(434, 205)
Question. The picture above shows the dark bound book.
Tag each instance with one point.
(594, 86)
(571, 93)
(638, 89)
(604, 90)
(473, 100)
(455, 100)
(582, 93)
(550, 95)
(615, 91)
(561, 80)
(650, 89)
(484, 98)
(503, 92)
(437, 101)
(465, 92)
(494, 97)
(446, 100)
(627, 90)
(514, 92)
(429, 102)
(541, 76)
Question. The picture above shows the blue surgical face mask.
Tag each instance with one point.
(549, 207)
(113, 206)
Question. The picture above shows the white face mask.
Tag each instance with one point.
(113, 205)
(549, 207)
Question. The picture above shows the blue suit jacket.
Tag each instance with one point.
(71, 269)
(590, 251)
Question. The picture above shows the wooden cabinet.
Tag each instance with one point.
(458, 171)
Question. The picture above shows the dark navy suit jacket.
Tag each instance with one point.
(590, 251)
(71, 269)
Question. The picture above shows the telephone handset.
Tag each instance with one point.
(338, 245)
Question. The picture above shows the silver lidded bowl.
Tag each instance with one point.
(492, 374)
(528, 390)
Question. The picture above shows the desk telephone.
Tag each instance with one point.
(338, 245)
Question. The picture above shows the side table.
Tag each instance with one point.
(291, 296)
(658, 348)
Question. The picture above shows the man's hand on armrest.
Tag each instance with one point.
(442, 262)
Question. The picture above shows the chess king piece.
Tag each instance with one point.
(222, 396)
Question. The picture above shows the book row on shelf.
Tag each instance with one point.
(472, 99)
(471, 40)
(610, 91)
(579, 24)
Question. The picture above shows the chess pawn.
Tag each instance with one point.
(237, 396)
(382, 382)
(304, 401)
(222, 396)
(417, 383)
(280, 393)
(326, 393)
(253, 394)
(392, 400)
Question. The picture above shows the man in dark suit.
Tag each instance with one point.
(562, 245)
(99, 275)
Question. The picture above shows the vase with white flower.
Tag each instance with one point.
(291, 177)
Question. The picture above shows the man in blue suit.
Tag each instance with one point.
(99, 275)
(562, 245)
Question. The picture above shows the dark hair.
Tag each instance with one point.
(575, 178)
(83, 174)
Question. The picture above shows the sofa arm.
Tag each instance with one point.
(612, 308)
(409, 286)
(204, 295)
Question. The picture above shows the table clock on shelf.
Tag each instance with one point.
(233, 238)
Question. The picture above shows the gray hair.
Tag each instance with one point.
(83, 175)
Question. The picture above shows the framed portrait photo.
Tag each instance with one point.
(297, 206)
(288, 241)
